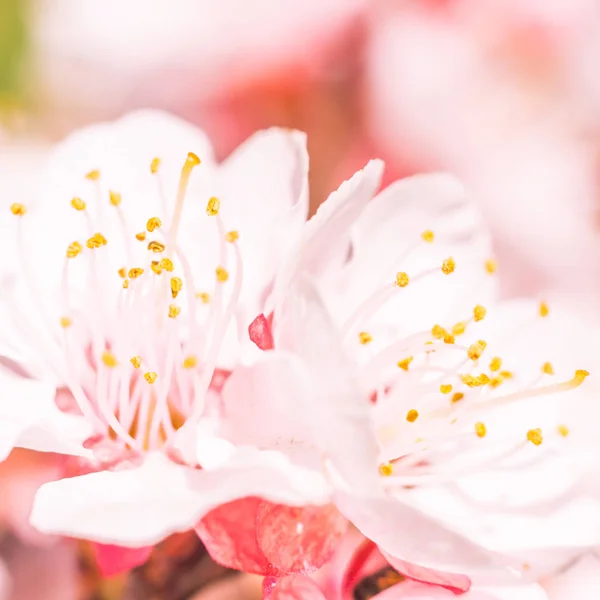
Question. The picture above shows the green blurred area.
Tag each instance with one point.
(13, 44)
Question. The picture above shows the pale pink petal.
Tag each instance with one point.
(292, 587)
(5, 582)
(412, 590)
(112, 560)
(579, 581)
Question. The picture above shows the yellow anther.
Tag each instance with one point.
(580, 375)
(404, 363)
(93, 175)
(222, 274)
(74, 249)
(155, 266)
(506, 374)
(114, 198)
(495, 364)
(402, 279)
(18, 209)
(96, 241)
(448, 339)
(213, 206)
(544, 310)
(547, 368)
(65, 322)
(457, 397)
(364, 337)
(459, 328)
(445, 388)
(136, 361)
(78, 204)
(150, 377)
(153, 223)
(109, 360)
(176, 286)
(154, 165)
(495, 382)
(475, 381)
(563, 430)
(438, 332)
(122, 272)
(412, 415)
(126, 283)
(491, 266)
(428, 236)
(480, 429)
(448, 266)
(189, 362)
(479, 312)
(386, 469)
(192, 159)
(232, 236)
(535, 436)
(484, 379)
(135, 272)
(475, 350)
(174, 311)
(166, 264)
(156, 246)
(203, 296)
(141, 236)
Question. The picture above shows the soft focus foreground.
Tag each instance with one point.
(392, 399)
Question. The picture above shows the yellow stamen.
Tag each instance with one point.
(136, 361)
(213, 207)
(176, 286)
(480, 429)
(412, 415)
(457, 397)
(544, 310)
(74, 249)
(189, 362)
(428, 236)
(122, 272)
(135, 272)
(402, 279)
(150, 377)
(166, 264)
(108, 358)
(535, 436)
(547, 368)
(222, 274)
(475, 350)
(364, 337)
(448, 339)
(93, 175)
(232, 236)
(491, 266)
(114, 198)
(506, 374)
(479, 312)
(459, 328)
(386, 469)
(156, 246)
(141, 236)
(448, 266)
(475, 381)
(563, 430)
(155, 266)
(438, 332)
(154, 165)
(186, 171)
(404, 363)
(65, 322)
(174, 311)
(96, 241)
(126, 283)
(205, 297)
(78, 204)
(495, 364)
(18, 209)
(153, 223)
(445, 388)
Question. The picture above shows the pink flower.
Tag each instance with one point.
(117, 348)
(579, 580)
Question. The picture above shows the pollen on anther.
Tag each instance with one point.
(18, 209)
(459, 328)
(141, 236)
(78, 204)
(491, 266)
(364, 337)
(153, 223)
(96, 241)
(156, 246)
(166, 264)
(189, 362)
(114, 198)
(495, 364)
(213, 206)
(535, 436)
(405, 363)
(122, 272)
(412, 415)
(457, 397)
(448, 266)
(176, 286)
(203, 296)
(136, 361)
(580, 374)
(428, 236)
(480, 429)
(193, 159)
(126, 283)
(386, 469)
(222, 274)
(65, 322)
(154, 165)
(547, 368)
(479, 312)
(74, 249)
(150, 377)
(135, 272)
(232, 236)
(156, 268)
(438, 332)
(446, 388)
(475, 350)
(543, 309)
(109, 360)
(402, 279)
(563, 430)
(448, 339)
(174, 311)
(93, 175)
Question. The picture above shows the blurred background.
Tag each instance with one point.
(503, 93)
